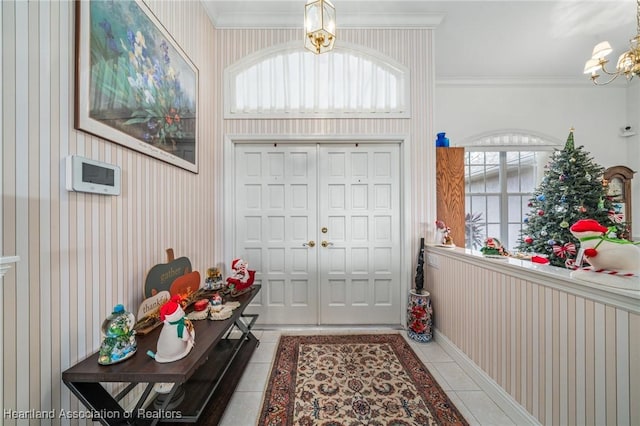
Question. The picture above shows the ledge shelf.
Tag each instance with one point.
(6, 262)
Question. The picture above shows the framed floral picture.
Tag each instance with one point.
(134, 84)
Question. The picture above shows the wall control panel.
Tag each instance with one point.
(86, 175)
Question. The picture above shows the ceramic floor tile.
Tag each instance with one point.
(235, 333)
(436, 375)
(427, 353)
(269, 335)
(455, 376)
(418, 351)
(475, 405)
(434, 352)
(264, 352)
(243, 409)
(468, 416)
(254, 377)
(484, 409)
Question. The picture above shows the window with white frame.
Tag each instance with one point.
(290, 81)
(501, 172)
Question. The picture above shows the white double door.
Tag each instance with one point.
(321, 225)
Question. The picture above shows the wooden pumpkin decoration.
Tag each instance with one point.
(185, 285)
(161, 277)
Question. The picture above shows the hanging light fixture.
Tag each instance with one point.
(320, 26)
(628, 63)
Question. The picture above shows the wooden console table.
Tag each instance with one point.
(208, 375)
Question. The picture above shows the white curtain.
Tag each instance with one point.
(341, 81)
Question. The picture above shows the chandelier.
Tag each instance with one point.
(628, 63)
(320, 26)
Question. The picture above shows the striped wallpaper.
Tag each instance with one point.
(80, 253)
(567, 358)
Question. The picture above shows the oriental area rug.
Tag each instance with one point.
(372, 379)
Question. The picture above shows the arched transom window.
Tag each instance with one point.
(289, 81)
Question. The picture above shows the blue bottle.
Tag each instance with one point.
(442, 141)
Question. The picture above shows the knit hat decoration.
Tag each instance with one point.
(170, 308)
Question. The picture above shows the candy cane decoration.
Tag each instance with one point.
(561, 251)
(571, 264)
(617, 217)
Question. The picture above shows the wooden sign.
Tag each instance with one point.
(185, 285)
(149, 312)
(152, 305)
(161, 276)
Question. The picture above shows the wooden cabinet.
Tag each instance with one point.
(450, 191)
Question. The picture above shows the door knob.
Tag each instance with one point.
(326, 243)
(311, 243)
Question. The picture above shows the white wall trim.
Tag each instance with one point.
(521, 81)
(5, 264)
(230, 140)
(316, 137)
(294, 20)
(547, 276)
(515, 411)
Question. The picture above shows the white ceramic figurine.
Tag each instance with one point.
(177, 335)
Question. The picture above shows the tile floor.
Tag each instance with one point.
(471, 400)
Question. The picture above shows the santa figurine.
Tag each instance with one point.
(177, 336)
(242, 278)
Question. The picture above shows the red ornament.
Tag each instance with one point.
(590, 252)
(201, 305)
(528, 239)
(540, 212)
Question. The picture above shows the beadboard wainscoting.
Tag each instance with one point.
(566, 352)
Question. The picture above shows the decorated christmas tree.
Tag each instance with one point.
(571, 189)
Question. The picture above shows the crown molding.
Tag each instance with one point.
(363, 20)
(520, 81)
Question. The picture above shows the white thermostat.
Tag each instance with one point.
(86, 175)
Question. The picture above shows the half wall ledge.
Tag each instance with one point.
(545, 275)
(6, 262)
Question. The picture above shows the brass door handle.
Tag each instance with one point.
(311, 243)
(326, 243)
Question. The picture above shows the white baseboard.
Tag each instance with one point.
(511, 408)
